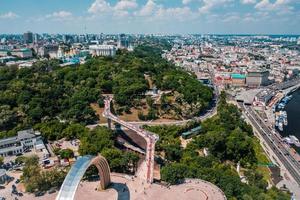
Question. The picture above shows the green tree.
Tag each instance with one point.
(174, 173)
(66, 153)
(96, 140)
(8, 117)
(74, 131)
(1, 160)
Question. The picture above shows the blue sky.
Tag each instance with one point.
(151, 16)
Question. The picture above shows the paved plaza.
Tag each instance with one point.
(126, 187)
(137, 189)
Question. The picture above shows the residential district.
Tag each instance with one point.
(148, 116)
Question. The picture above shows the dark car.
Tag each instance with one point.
(20, 194)
(51, 191)
(38, 194)
(17, 181)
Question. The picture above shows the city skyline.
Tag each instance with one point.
(151, 16)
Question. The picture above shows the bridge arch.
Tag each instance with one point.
(72, 180)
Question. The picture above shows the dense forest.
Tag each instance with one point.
(229, 141)
(47, 92)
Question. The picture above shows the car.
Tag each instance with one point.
(38, 194)
(20, 194)
(15, 192)
(1, 188)
(17, 181)
(51, 191)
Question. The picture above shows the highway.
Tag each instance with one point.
(274, 141)
(149, 137)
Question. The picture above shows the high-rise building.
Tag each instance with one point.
(36, 38)
(123, 41)
(28, 37)
(67, 39)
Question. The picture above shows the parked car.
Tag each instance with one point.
(38, 194)
(52, 190)
(15, 192)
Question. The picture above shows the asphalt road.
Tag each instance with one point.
(273, 141)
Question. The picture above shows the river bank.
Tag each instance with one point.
(293, 116)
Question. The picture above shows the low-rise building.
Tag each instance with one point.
(257, 78)
(3, 53)
(22, 53)
(46, 49)
(238, 79)
(103, 50)
(24, 141)
(263, 97)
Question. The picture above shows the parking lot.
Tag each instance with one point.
(13, 190)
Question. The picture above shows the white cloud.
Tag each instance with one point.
(210, 4)
(185, 2)
(120, 9)
(60, 15)
(178, 13)
(248, 1)
(126, 5)
(282, 5)
(9, 15)
(148, 9)
(99, 6)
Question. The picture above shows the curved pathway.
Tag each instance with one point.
(149, 137)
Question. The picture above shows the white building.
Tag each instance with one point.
(22, 53)
(25, 140)
(102, 50)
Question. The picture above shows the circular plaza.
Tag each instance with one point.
(125, 188)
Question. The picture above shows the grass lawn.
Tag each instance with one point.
(261, 160)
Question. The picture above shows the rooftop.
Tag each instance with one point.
(238, 76)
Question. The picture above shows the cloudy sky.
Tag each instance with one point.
(151, 16)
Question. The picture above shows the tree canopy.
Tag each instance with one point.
(228, 138)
